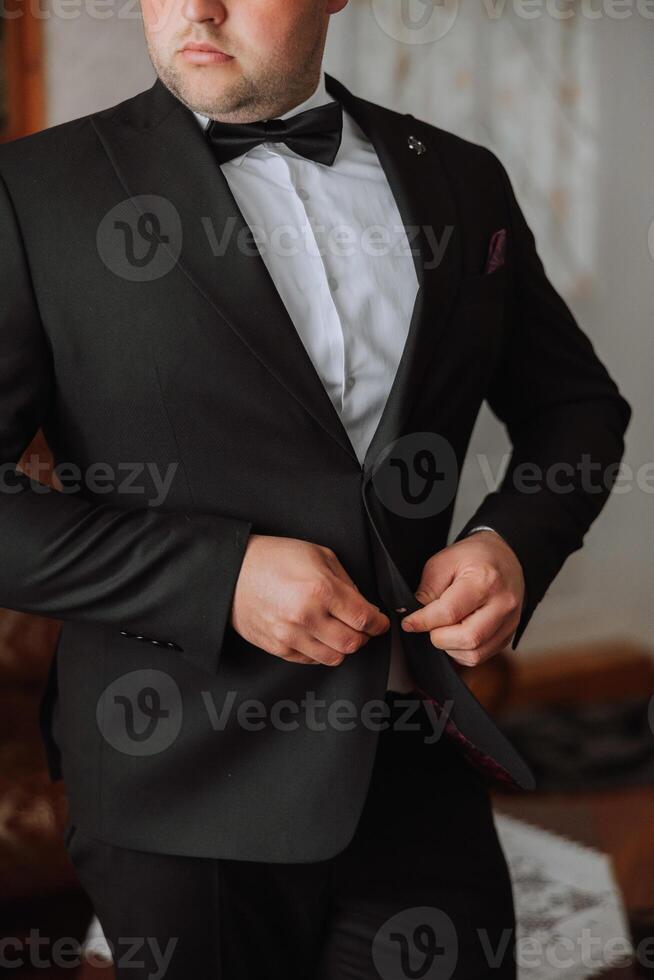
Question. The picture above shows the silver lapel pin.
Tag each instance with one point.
(417, 145)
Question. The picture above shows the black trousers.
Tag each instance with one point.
(422, 890)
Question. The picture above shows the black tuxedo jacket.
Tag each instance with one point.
(184, 360)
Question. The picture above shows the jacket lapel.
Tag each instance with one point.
(157, 148)
(405, 148)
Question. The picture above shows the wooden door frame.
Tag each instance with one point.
(23, 51)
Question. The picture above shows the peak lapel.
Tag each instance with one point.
(157, 148)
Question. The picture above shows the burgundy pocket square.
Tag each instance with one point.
(496, 251)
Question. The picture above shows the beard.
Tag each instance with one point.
(263, 92)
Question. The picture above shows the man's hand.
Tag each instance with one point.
(472, 593)
(295, 600)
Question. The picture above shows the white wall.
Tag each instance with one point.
(606, 589)
(93, 63)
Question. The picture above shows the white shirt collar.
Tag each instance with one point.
(320, 96)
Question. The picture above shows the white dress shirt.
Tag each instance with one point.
(334, 244)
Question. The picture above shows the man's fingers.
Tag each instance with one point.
(475, 630)
(471, 658)
(437, 576)
(349, 606)
(335, 634)
(458, 601)
(303, 644)
(298, 658)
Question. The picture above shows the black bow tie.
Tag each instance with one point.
(314, 133)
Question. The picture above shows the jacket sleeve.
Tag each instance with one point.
(167, 577)
(564, 416)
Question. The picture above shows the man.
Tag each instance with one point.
(259, 444)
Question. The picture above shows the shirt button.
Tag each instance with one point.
(333, 282)
(349, 382)
(303, 194)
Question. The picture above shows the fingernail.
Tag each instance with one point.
(407, 626)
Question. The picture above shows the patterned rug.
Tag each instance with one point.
(571, 923)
